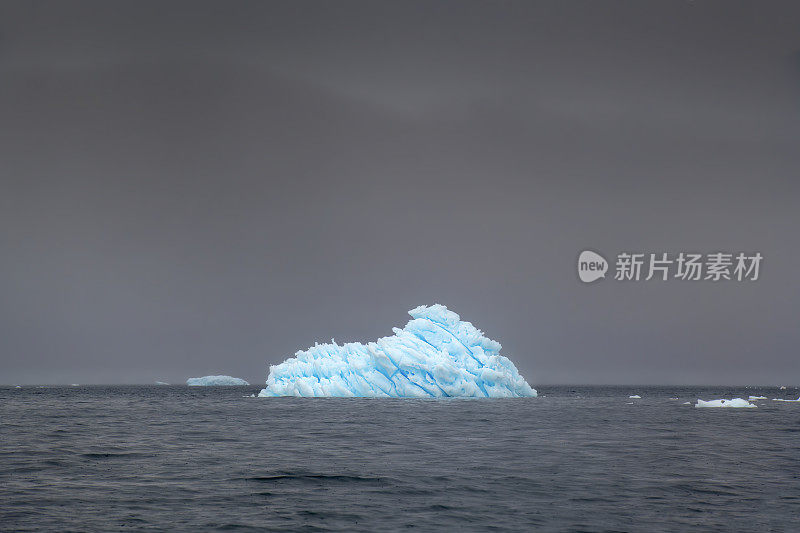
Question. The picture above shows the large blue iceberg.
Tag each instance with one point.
(436, 355)
(215, 381)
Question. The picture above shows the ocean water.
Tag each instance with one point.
(575, 459)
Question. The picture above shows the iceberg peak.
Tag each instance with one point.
(435, 355)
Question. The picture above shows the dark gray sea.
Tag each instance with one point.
(175, 458)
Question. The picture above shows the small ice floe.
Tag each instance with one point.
(783, 387)
(74, 385)
(736, 402)
(630, 403)
(687, 403)
(674, 398)
(161, 383)
(635, 397)
(756, 397)
(215, 381)
(17, 386)
(783, 400)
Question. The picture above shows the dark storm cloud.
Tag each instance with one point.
(194, 188)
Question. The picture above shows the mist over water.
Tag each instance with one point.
(576, 458)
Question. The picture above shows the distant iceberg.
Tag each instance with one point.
(215, 381)
(783, 400)
(436, 355)
(736, 402)
(635, 397)
(756, 397)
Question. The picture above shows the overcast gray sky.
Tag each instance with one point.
(197, 188)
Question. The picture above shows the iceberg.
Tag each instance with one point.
(736, 402)
(215, 381)
(635, 397)
(756, 397)
(436, 355)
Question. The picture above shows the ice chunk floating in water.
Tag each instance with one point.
(215, 381)
(736, 402)
(436, 355)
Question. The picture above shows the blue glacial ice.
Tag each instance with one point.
(436, 355)
(215, 381)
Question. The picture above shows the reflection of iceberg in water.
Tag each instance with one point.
(436, 355)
